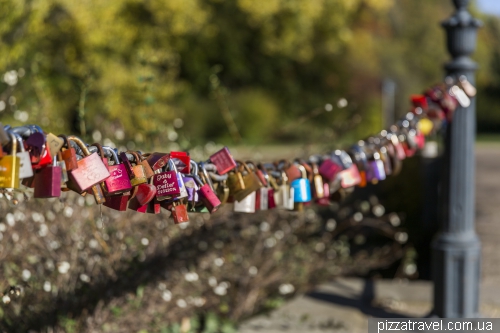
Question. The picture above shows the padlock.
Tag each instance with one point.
(157, 160)
(191, 184)
(271, 204)
(182, 161)
(325, 200)
(44, 157)
(4, 136)
(179, 212)
(118, 202)
(141, 195)
(64, 172)
(396, 163)
(400, 152)
(223, 191)
(284, 196)
(97, 148)
(68, 155)
(376, 169)
(318, 188)
(152, 207)
(136, 173)
(246, 205)
(9, 167)
(167, 183)
(262, 199)
(235, 182)
(54, 143)
(272, 186)
(240, 185)
(180, 181)
(360, 160)
(409, 146)
(384, 156)
(91, 171)
(329, 169)
(25, 169)
(36, 145)
(346, 178)
(148, 170)
(291, 170)
(468, 88)
(118, 182)
(420, 101)
(257, 172)
(223, 160)
(350, 177)
(48, 181)
(301, 186)
(206, 192)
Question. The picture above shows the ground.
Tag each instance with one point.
(345, 304)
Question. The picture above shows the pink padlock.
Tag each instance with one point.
(329, 169)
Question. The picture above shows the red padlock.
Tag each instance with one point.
(48, 181)
(206, 192)
(223, 160)
(68, 154)
(183, 157)
(118, 202)
(179, 212)
(118, 182)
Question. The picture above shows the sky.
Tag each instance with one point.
(489, 6)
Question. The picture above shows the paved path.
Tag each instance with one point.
(345, 304)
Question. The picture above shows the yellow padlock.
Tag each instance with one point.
(9, 167)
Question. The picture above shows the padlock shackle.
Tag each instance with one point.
(14, 143)
(112, 153)
(37, 128)
(243, 165)
(194, 165)
(282, 164)
(208, 180)
(19, 141)
(137, 159)
(217, 178)
(65, 139)
(21, 130)
(210, 167)
(79, 142)
(302, 170)
(99, 149)
(171, 165)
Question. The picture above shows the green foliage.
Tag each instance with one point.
(133, 66)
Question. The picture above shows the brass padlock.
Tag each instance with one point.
(9, 167)
(136, 172)
(242, 182)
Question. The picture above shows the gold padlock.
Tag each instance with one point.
(318, 182)
(250, 181)
(9, 167)
(235, 182)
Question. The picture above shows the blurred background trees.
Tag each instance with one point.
(180, 73)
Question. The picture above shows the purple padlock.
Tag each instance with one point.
(191, 183)
(167, 184)
(376, 169)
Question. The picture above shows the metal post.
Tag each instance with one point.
(457, 249)
(388, 103)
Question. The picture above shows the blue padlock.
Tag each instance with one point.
(301, 187)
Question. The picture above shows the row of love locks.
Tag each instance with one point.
(33, 160)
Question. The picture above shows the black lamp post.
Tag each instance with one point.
(457, 249)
